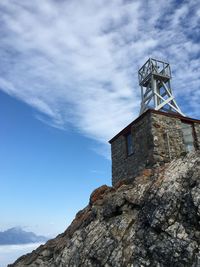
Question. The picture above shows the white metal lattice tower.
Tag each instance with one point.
(156, 92)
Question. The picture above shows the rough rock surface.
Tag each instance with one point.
(151, 221)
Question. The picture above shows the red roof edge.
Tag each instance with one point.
(174, 115)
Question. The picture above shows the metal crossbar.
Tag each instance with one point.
(154, 79)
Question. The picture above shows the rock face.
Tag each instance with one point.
(151, 221)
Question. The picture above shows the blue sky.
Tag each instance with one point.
(47, 173)
(68, 83)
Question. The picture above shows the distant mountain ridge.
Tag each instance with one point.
(17, 235)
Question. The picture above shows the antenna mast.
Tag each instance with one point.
(154, 79)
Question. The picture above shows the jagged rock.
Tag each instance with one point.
(151, 221)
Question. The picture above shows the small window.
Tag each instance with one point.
(188, 136)
(129, 144)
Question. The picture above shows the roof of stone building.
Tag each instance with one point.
(174, 115)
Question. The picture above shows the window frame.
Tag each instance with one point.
(127, 144)
(194, 135)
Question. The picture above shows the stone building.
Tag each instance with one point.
(157, 136)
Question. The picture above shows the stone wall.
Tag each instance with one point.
(157, 139)
(197, 131)
(168, 138)
(127, 167)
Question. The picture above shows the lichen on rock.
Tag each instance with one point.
(153, 220)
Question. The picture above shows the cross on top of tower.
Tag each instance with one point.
(156, 92)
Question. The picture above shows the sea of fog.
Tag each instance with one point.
(9, 253)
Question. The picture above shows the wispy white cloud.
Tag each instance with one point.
(76, 62)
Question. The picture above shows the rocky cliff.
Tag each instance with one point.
(151, 221)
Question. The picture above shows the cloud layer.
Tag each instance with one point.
(76, 62)
(10, 253)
